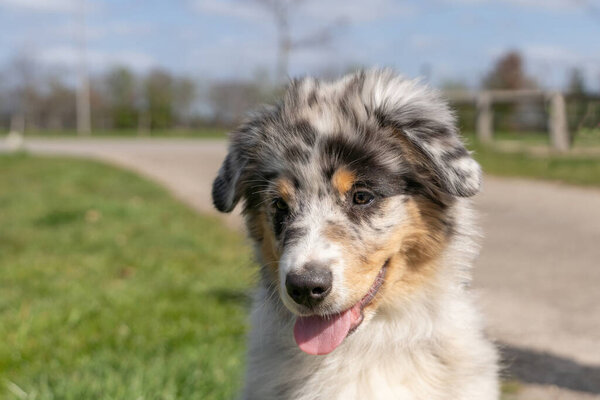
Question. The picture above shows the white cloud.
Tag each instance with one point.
(560, 55)
(351, 10)
(358, 10)
(554, 5)
(228, 57)
(424, 42)
(95, 31)
(548, 4)
(237, 9)
(550, 53)
(97, 60)
(57, 6)
(53, 6)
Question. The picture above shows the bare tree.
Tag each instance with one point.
(281, 10)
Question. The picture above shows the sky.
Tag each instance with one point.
(443, 40)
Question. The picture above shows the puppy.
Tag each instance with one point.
(355, 194)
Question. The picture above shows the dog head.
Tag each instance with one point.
(347, 190)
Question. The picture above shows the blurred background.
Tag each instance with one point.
(142, 67)
(117, 279)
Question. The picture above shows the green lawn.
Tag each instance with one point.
(203, 133)
(568, 168)
(111, 289)
(583, 139)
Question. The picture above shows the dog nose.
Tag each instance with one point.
(310, 285)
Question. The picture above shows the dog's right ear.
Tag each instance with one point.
(226, 190)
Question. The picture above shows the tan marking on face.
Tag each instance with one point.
(285, 188)
(268, 248)
(409, 152)
(365, 261)
(342, 180)
(426, 233)
(336, 233)
(412, 155)
(412, 250)
(414, 266)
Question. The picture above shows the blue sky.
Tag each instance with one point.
(458, 40)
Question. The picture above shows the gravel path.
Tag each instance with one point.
(538, 276)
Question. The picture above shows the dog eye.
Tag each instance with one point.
(280, 204)
(362, 198)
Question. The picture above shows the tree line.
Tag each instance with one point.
(33, 98)
(44, 99)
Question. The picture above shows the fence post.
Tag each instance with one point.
(484, 124)
(559, 133)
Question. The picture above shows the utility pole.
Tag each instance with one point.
(84, 125)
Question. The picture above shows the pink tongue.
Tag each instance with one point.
(321, 335)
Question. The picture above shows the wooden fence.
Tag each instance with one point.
(485, 100)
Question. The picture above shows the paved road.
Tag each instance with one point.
(538, 275)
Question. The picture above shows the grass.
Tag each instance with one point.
(572, 169)
(203, 133)
(527, 139)
(588, 138)
(111, 289)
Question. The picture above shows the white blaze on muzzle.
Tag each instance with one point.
(315, 249)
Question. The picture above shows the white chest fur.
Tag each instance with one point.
(432, 350)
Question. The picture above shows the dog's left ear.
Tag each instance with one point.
(438, 156)
(426, 127)
(226, 190)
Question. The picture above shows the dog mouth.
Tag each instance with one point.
(321, 334)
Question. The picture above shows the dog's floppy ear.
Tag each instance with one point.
(443, 160)
(230, 183)
(426, 126)
(226, 190)
(436, 152)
